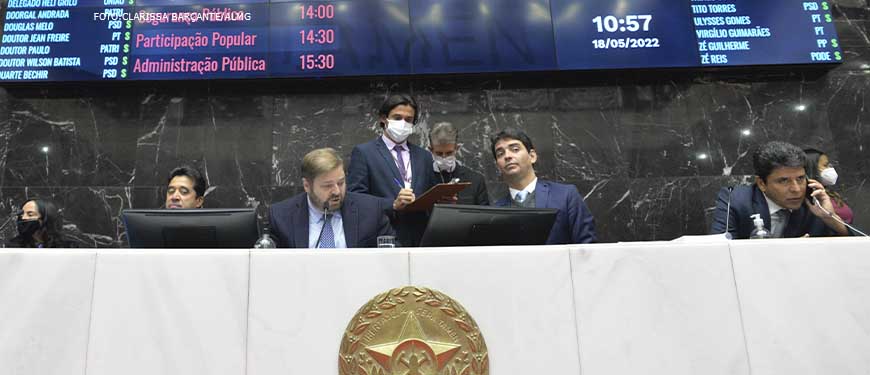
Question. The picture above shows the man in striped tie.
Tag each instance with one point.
(326, 215)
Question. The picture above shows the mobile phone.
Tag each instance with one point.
(810, 193)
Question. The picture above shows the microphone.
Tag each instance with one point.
(837, 218)
(728, 214)
(325, 213)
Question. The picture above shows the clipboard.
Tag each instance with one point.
(435, 193)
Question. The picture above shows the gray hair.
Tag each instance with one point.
(443, 133)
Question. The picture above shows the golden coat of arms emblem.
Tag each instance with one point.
(412, 331)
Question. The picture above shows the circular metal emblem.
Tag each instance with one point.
(412, 331)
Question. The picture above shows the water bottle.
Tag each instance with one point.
(265, 241)
(759, 232)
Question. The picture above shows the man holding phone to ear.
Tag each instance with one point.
(790, 204)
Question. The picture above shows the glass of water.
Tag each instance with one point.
(386, 241)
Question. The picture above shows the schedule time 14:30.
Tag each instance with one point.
(317, 36)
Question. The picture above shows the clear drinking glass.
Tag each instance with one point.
(386, 241)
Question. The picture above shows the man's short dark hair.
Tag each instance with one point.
(776, 154)
(199, 184)
(396, 100)
(511, 133)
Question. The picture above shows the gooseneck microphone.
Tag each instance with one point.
(728, 214)
(837, 218)
(325, 216)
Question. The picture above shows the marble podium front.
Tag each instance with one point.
(799, 306)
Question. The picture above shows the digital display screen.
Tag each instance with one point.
(84, 40)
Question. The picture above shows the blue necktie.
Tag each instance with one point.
(327, 240)
(521, 196)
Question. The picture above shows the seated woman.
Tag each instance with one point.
(39, 226)
(819, 168)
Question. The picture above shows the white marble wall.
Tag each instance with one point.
(45, 309)
(806, 309)
(520, 299)
(301, 302)
(169, 313)
(657, 308)
(780, 307)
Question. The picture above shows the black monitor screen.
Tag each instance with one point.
(119, 40)
(467, 225)
(195, 228)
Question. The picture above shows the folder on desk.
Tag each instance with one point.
(434, 194)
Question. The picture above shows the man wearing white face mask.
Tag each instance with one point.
(393, 169)
(443, 140)
(818, 167)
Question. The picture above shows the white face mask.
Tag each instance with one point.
(443, 164)
(399, 130)
(828, 177)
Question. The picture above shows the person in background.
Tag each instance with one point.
(39, 226)
(326, 215)
(185, 188)
(443, 143)
(515, 157)
(780, 196)
(393, 169)
(819, 168)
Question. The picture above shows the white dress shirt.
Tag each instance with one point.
(530, 188)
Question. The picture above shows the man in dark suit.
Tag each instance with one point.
(325, 215)
(515, 157)
(779, 195)
(393, 169)
(443, 143)
(185, 188)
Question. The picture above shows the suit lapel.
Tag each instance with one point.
(542, 195)
(759, 205)
(795, 222)
(350, 220)
(388, 159)
(419, 171)
(300, 223)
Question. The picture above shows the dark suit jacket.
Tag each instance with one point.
(574, 222)
(749, 200)
(363, 219)
(474, 194)
(373, 171)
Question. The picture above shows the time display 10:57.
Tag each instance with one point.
(611, 24)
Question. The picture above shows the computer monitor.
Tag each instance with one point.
(467, 225)
(191, 228)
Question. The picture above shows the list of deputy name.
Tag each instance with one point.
(31, 29)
